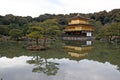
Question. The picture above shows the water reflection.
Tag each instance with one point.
(80, 50)
(15, 68)
(68, 70)
(96, 61)
(88, 70)
(43, 65)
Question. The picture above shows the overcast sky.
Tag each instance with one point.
(36, 7)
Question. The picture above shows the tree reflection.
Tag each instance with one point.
(42, 65)
(1, 79)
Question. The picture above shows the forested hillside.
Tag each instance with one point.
(105, 23)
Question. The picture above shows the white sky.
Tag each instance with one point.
(36, 7)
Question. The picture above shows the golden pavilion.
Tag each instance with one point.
(78, 29)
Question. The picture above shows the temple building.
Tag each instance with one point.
(78, 29)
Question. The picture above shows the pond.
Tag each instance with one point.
(67, 60)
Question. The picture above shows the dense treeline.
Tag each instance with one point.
(103, 22)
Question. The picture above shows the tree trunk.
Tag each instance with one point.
(44, 41)
(37, 41)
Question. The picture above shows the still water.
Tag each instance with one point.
(88, 60)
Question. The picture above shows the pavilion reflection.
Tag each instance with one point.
(78, 49)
